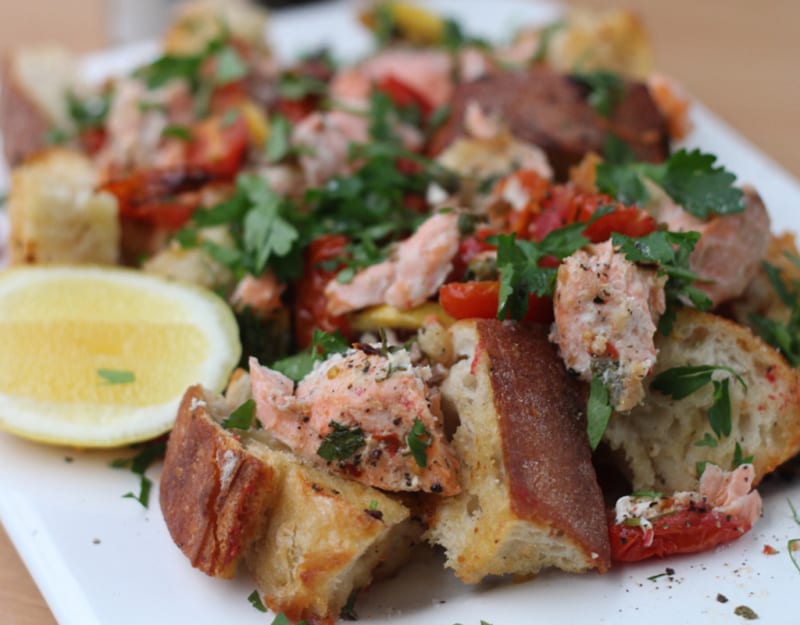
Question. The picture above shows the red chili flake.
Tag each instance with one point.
(769, 550)
(770, 375)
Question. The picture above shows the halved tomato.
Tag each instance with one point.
(480, 300)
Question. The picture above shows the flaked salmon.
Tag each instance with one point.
(367, 414)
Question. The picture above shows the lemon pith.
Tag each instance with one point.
(100, 357)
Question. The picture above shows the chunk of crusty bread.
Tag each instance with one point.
(657, 438)
(35, 81)
(56, 216)
(200, 22)
(310, 538)
(530, 496)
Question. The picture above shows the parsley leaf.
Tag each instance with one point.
(739, 458)
(341, 442)
(299, 365)
(606, 89)
(255, 600)
(670, 251)
(279, 144)
(418, 440)
(689, 178)
(545, 37)
(90, 112)
(138, 464)
(680, 382)
(230, 66)
(116, 376)
(707, 441)
(598, 411)
(293, 86)
(784, 336)
(175, 131)
(518, 261)
(242, 417)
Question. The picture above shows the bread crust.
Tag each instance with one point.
(542, 420)
(214, 494)
(657, 438)
(310, 538)
(530, 498)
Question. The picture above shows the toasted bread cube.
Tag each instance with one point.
(657, 438)
(530, 498)
(56, 216)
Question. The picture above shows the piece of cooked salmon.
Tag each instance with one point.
(364, 414)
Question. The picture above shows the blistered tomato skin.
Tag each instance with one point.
(311, 304)
(687, 531)
(479, 300)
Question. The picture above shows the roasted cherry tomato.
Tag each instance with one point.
(92, 139)
(311, 305)
(218, 146)
(404, 95)
(686, 531)
(479, 300)
(550, 207)
(150, 195)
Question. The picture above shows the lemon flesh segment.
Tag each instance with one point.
(97, 357)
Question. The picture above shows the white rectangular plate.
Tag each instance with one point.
(101, 559)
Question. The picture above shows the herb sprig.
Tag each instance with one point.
(680, 382)
(784, 336)
(689, 178)
(299, 365)
(598, 411)
(341, 443)
(669, 252)
(148, 454)
(606, 89)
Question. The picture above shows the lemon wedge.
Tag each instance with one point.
(100, 357)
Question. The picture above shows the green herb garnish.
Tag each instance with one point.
(299, 365)
(689, 178)
(680, 382)
(175, 131)
(255, 600)
(606, 89)
(279, 140)
(418, 440)
(739, 458)
(138, 464)
(598, 411)
(242, 417)
(545, 37)
(299, 86)
(116, 376)
(669, 252)
(783, 336)
(341, 443)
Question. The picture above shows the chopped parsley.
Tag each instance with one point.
(292, 86)
(242, 417)
(255, 600)
(670, 252)
(518, 261)
(341, 443)
(175, 131)
(418, 440)
(116, 376)
(545, 37)
(279, 144)
(148, 454)
(680, 382)
(739, 458)
(784, 336)
(299, 365)
(689, 178)
(90, 112)
(606, 89)
(598, 411)
(793, 545)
